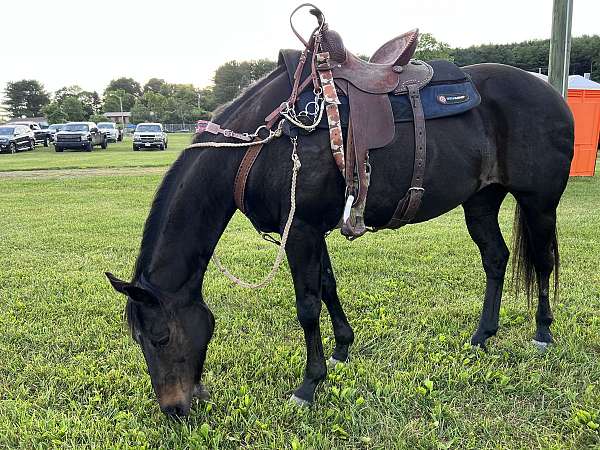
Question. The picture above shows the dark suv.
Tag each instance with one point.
(80, 135)
(16, 137)
(41, 134)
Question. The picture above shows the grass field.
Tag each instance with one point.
(70, 377)
(118, 154)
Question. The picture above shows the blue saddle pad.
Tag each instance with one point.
(449, 92)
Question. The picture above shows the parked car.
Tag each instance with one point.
(150, 135)
(41, 135)
(53, 129)
(111, 130)
(80, 135)
(16, 137)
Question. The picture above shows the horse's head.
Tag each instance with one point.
(174, 335)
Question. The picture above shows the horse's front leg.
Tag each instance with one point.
(304, 250)
(344, 336)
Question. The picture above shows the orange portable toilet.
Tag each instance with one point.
(584, 101)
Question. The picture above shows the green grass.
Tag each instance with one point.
(119, 154)
(70, 377)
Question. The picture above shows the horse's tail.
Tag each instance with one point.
(523, 270)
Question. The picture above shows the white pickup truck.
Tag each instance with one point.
(149, 135)
(111, 131)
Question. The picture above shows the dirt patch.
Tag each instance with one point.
(71, 173)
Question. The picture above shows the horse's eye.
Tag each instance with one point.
(161, 341)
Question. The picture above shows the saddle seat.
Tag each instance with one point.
(390, 69)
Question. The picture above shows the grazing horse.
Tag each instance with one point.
(519, 140)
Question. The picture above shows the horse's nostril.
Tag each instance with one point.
(175, 411)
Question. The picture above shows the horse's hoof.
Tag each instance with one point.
(300, 402)
(479, 346)
(201, 393)
(332, 362)
(541, 346)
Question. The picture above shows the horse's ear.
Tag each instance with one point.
(118, 285)
(140, 295)
(137, 294)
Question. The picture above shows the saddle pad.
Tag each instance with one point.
(449, 92)
(441, 98)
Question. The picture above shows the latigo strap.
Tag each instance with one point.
(239, 186)
(409, 205)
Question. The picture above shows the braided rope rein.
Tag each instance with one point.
(286, 231)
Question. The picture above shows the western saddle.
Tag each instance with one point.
(367, 85)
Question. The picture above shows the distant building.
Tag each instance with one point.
(118, 117)
(4, 115)
(30, 119)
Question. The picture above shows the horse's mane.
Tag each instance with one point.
(161, 197)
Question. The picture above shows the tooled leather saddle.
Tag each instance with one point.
(367, 87)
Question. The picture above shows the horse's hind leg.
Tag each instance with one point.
(344, 336)
(537, 227)
(481, 215)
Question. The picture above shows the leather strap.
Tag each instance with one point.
(409, 205)
(332, 101)
(239, 186)
(203, 126)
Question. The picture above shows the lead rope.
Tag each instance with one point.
(286, 231)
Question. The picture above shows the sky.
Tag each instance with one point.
(67, 42)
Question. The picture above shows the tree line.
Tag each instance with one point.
(533, 55)
(160, 101)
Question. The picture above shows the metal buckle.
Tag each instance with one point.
(227, 133)
(416, 189)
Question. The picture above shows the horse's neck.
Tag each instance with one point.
(195, 201)
(187, 220)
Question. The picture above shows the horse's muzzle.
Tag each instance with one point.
(176, 411)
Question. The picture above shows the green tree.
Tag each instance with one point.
(125, 84)
(533, 55)
(149, 107)
(206, 100)
(73, 109)
(63, 92)
(430, 48)
(91, 102)
(154, 85)
(233, 76)
(26, 98)
(141, 113)
(111, 100)
(54, 113)
(97, 118)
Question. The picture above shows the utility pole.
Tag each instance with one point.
(560, 45)
(110, 94)
(122, 116)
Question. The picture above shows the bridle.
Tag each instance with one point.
(307, 120)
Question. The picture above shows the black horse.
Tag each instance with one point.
(518, 141)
